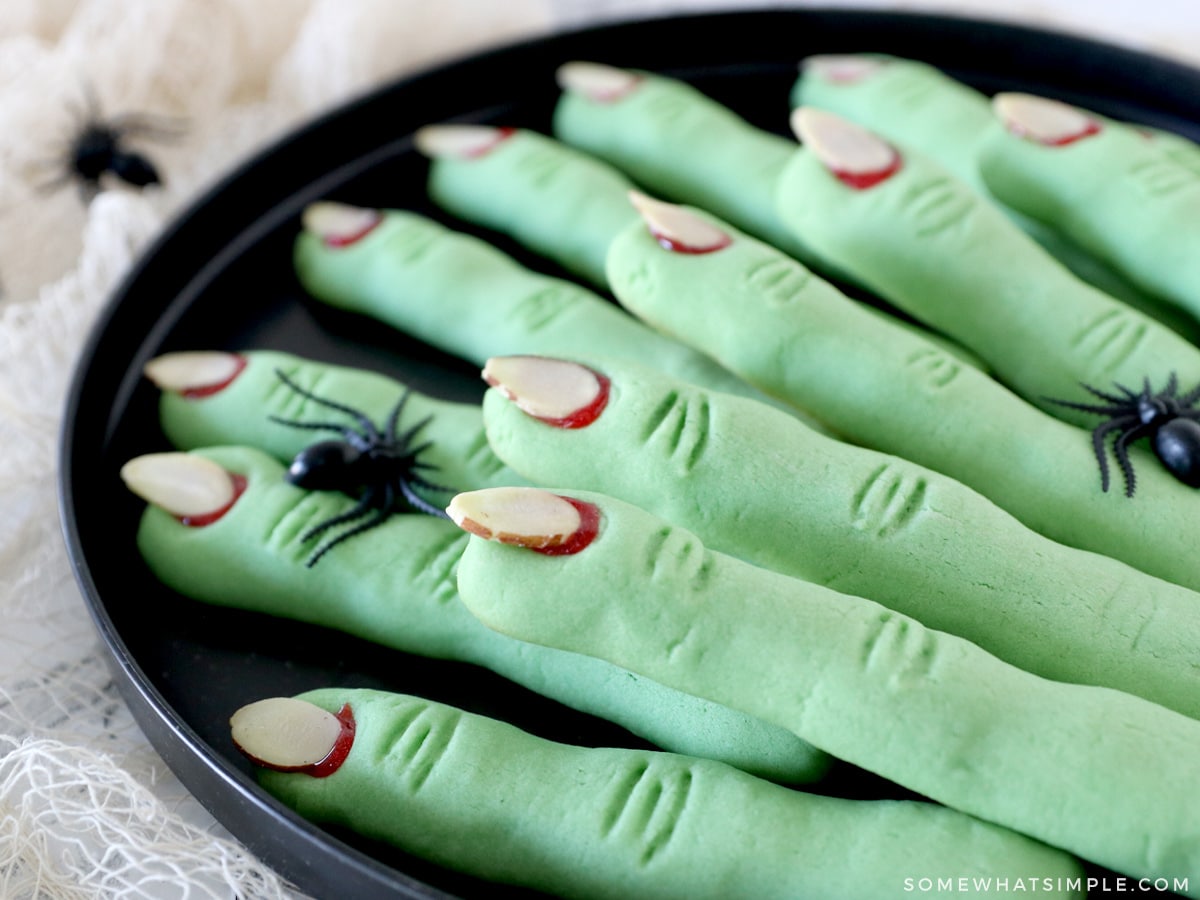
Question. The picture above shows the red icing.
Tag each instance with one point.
(207, 390)
(341, 747)
(619, 94)
(345, 240)
(586, 415)
(589, 527)
(862, 181)
(669, 243)
(239, 487)
(1090, 129)
(502, 135)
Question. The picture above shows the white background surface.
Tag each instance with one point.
(86, 808)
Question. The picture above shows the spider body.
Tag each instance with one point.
(379, 466)
(99, 147)
(1168, 419)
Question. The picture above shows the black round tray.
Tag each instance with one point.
(221, 278)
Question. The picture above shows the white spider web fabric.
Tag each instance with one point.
(87, 809)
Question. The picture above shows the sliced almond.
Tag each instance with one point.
(598, 82)
(543, 387)
(527, 517)
(339, 223)
(841, 68)
(192, 370)
(1042, 119)
(678, 228)
(285, 733)
(183, 484)
(841, 145)
(457, 141)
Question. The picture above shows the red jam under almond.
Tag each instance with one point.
(589, 527)
(207, 390)
(585, 415)
(239, 488)
(862, 181)
(341, 747)
(353, 237)
(502, 135)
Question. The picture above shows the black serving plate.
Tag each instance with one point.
(221, 278)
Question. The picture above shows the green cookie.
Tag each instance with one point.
(1102, 774)
(686, 147)
(799, 339)
(1126, 196)
(933, 247)
(571, 205)
(394, 584)
(915, 105)
(485, 798)
(461, 294)
(246, 412)
(756, 484)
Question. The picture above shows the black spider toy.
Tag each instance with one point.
(379, 466)
(98, 146)
(1170, 422)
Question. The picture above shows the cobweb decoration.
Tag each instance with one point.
(87, 809)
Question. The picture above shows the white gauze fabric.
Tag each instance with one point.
(87, 809)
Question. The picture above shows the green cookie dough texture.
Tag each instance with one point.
(1099, 773)
(930, 245)
(570, 205)
(394, 585)
(483, 797)
(767, 318)
(241, 414)
(1128, 197)
(911, 103)
(684, 146)
(462, 295)
(915, 105)
(756, 484)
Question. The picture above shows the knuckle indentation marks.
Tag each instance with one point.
(1162, 176)
(680, 427)
(285, 536)
(540, 166)
(411, 242)
(541, 308)
(672, 552)
(436, 567)
(646, 806)
(1110, 340)
(667, 109)
(890, 500)
(418, 740)
(897, 646)
(780, 282)
(937, 369)
(936, 205)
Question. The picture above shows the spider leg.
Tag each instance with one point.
(148, 125)
(1110, 398)
(1190, 398)
(345, 431)
(1172, 386)
(365, 423)
(1121, 410)
(377, 519)
(1098, 435)
(1121, 452)
(416, 501)
(393, 419)
(360, 509)
(412, 432)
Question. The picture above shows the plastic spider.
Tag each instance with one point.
(379, 466)
(99, 146)
(1168, 420)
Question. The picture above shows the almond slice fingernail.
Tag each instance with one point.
(1043, 120)
(555, 391)
(195, 490)
(460, 141)
(598, 82)
(678, 229)
(527, 517)
(841, 68)
(339, 224)
(194, 373)
(292, 735)
(854, 155)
